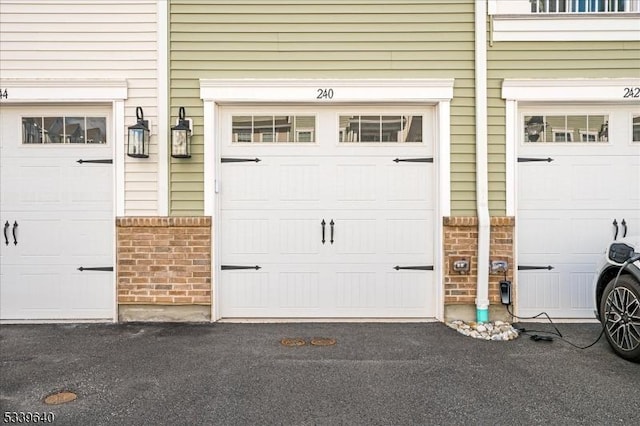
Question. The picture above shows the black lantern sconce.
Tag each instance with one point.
(181, 137)
(139, 137)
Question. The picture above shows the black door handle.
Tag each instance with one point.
(332, 223)
(6, 238)
(615, 223)
(624, 223)
(13, 231)
(323, 223)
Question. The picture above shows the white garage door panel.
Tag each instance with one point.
(313, 291)
(379, 214)
(566, 288)
(576, 182)
(64, 216)
(46, 293)
(566, 210)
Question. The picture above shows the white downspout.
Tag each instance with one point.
(482, 176)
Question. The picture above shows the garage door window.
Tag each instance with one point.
(566, 128)
(64, 130)
(380, 128)
(273, 128)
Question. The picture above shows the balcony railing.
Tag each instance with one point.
(585, 6)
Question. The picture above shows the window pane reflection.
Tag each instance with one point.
(53, 130)
(31, 129)
(380, 128)
(64, 130)
(96, 130)
(263, 129)
(305, 128)
(566, 128)
(278, 128)
(74, 129)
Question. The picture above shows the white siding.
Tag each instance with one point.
(87, 39)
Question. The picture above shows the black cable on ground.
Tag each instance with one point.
(557, 331)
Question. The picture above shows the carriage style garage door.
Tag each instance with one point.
(579, 188)
(326, 212)
(57, 214)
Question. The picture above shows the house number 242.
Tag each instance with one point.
(631, 92)
(324, 93)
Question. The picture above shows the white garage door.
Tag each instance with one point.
(57, 214)
(571, 207)
(337, 228)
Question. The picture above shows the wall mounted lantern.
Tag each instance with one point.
(139, 137)
(181, 137)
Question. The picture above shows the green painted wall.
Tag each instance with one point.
(586, 59)
(324, 39)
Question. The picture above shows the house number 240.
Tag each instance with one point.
(324, 93)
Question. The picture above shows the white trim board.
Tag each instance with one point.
(565, 27)
(306, 90)
(570, 90)
(437, 92)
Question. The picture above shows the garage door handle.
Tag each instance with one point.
(323, 224)
(615, 223)
(332, 223)
(13, 231)
(624, 224)
(6, 237)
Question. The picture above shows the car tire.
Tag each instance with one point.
(620, 316)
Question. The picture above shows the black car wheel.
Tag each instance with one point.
(620, 316)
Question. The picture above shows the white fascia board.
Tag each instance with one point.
(67, 90)
(564, 27)
(313, 90)
(570, 90)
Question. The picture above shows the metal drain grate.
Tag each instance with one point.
(292, 342)
(323, 341)
(61, 397)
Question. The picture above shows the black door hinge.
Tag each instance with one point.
(230, 267)
(415, 268)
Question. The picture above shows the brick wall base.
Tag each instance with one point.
(461, 242)
(163, 261)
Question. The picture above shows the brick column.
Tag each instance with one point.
(461, 242)
(163, 262)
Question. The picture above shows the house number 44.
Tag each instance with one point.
(4, 94)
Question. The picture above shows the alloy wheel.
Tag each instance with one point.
(622, 318)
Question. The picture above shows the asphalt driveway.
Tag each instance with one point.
(376, 374)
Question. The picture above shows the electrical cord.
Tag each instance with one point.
(557, 332)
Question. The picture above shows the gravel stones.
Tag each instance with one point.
(498, 330)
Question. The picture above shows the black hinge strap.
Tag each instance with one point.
(99, 268)
(239, 160)
(105, 161)
(229, 267)
(531, 268)
(415, 268)
(415, 160)
(533, 160)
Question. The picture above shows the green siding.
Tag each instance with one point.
(545, 60)
(323, 39)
